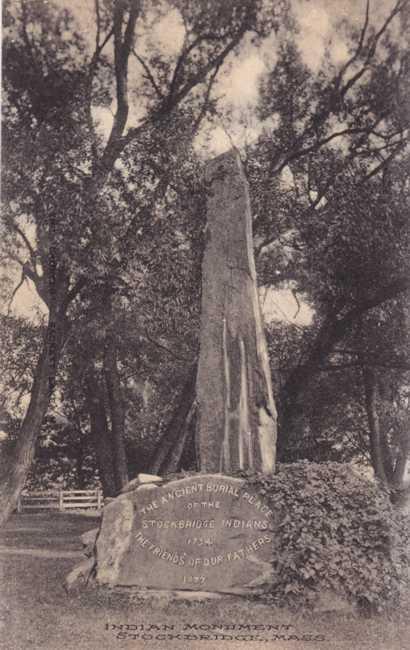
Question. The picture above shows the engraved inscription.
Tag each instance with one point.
(200, 541)
(197, 505)
(181, 523)
(240, 523)
(205, 532)
(193, 580)
(218, 525)
(218, 488)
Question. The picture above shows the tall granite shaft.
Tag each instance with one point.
(237, 415)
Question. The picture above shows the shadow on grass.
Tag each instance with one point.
(47, 530)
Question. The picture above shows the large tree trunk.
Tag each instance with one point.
(377, 449)
(236, 410)
(79, 467)
(291, 419)
(291, 408)
(389, 459)
(100, 435)
(117, 414)
(167, 456)
(333, 329)
(400, 483)
(399, 471)
(22, 456)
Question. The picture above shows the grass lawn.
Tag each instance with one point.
(36, 612)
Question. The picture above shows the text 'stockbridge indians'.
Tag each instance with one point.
(209, 532)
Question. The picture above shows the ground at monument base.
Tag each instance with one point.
(36, 612)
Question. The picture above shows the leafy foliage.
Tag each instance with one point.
(330, 199)
(334, 531)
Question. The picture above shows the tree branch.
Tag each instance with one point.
(98, 24)
(358, 49)
(166, 349)
(383, 163)
(314, 147)
(148, 74)
(122, 49)
(356, 364)
(183, 56)
(320, 118)
(217, 62)
(372, 49)
(29, 247)
(206, 100)
(334, 329)
(91, 72)
(16, 288)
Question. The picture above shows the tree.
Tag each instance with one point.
(329, 196)
(52, 87)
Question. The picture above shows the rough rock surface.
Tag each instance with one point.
(237, 414)
(140, 480)
(80, 575)
(88, 539)
(206, 533)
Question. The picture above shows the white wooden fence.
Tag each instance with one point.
(61, 500)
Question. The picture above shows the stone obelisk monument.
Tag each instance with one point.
(237, 415)
(173, 534)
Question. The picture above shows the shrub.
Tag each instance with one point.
(335, 531)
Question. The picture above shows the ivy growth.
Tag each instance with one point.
(334, 531)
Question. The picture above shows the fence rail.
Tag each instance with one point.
(61, 500)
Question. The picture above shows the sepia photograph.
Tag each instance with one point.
(205, 325)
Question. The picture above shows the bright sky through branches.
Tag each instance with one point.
(321, 29)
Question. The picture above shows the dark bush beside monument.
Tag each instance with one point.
(339, 538)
